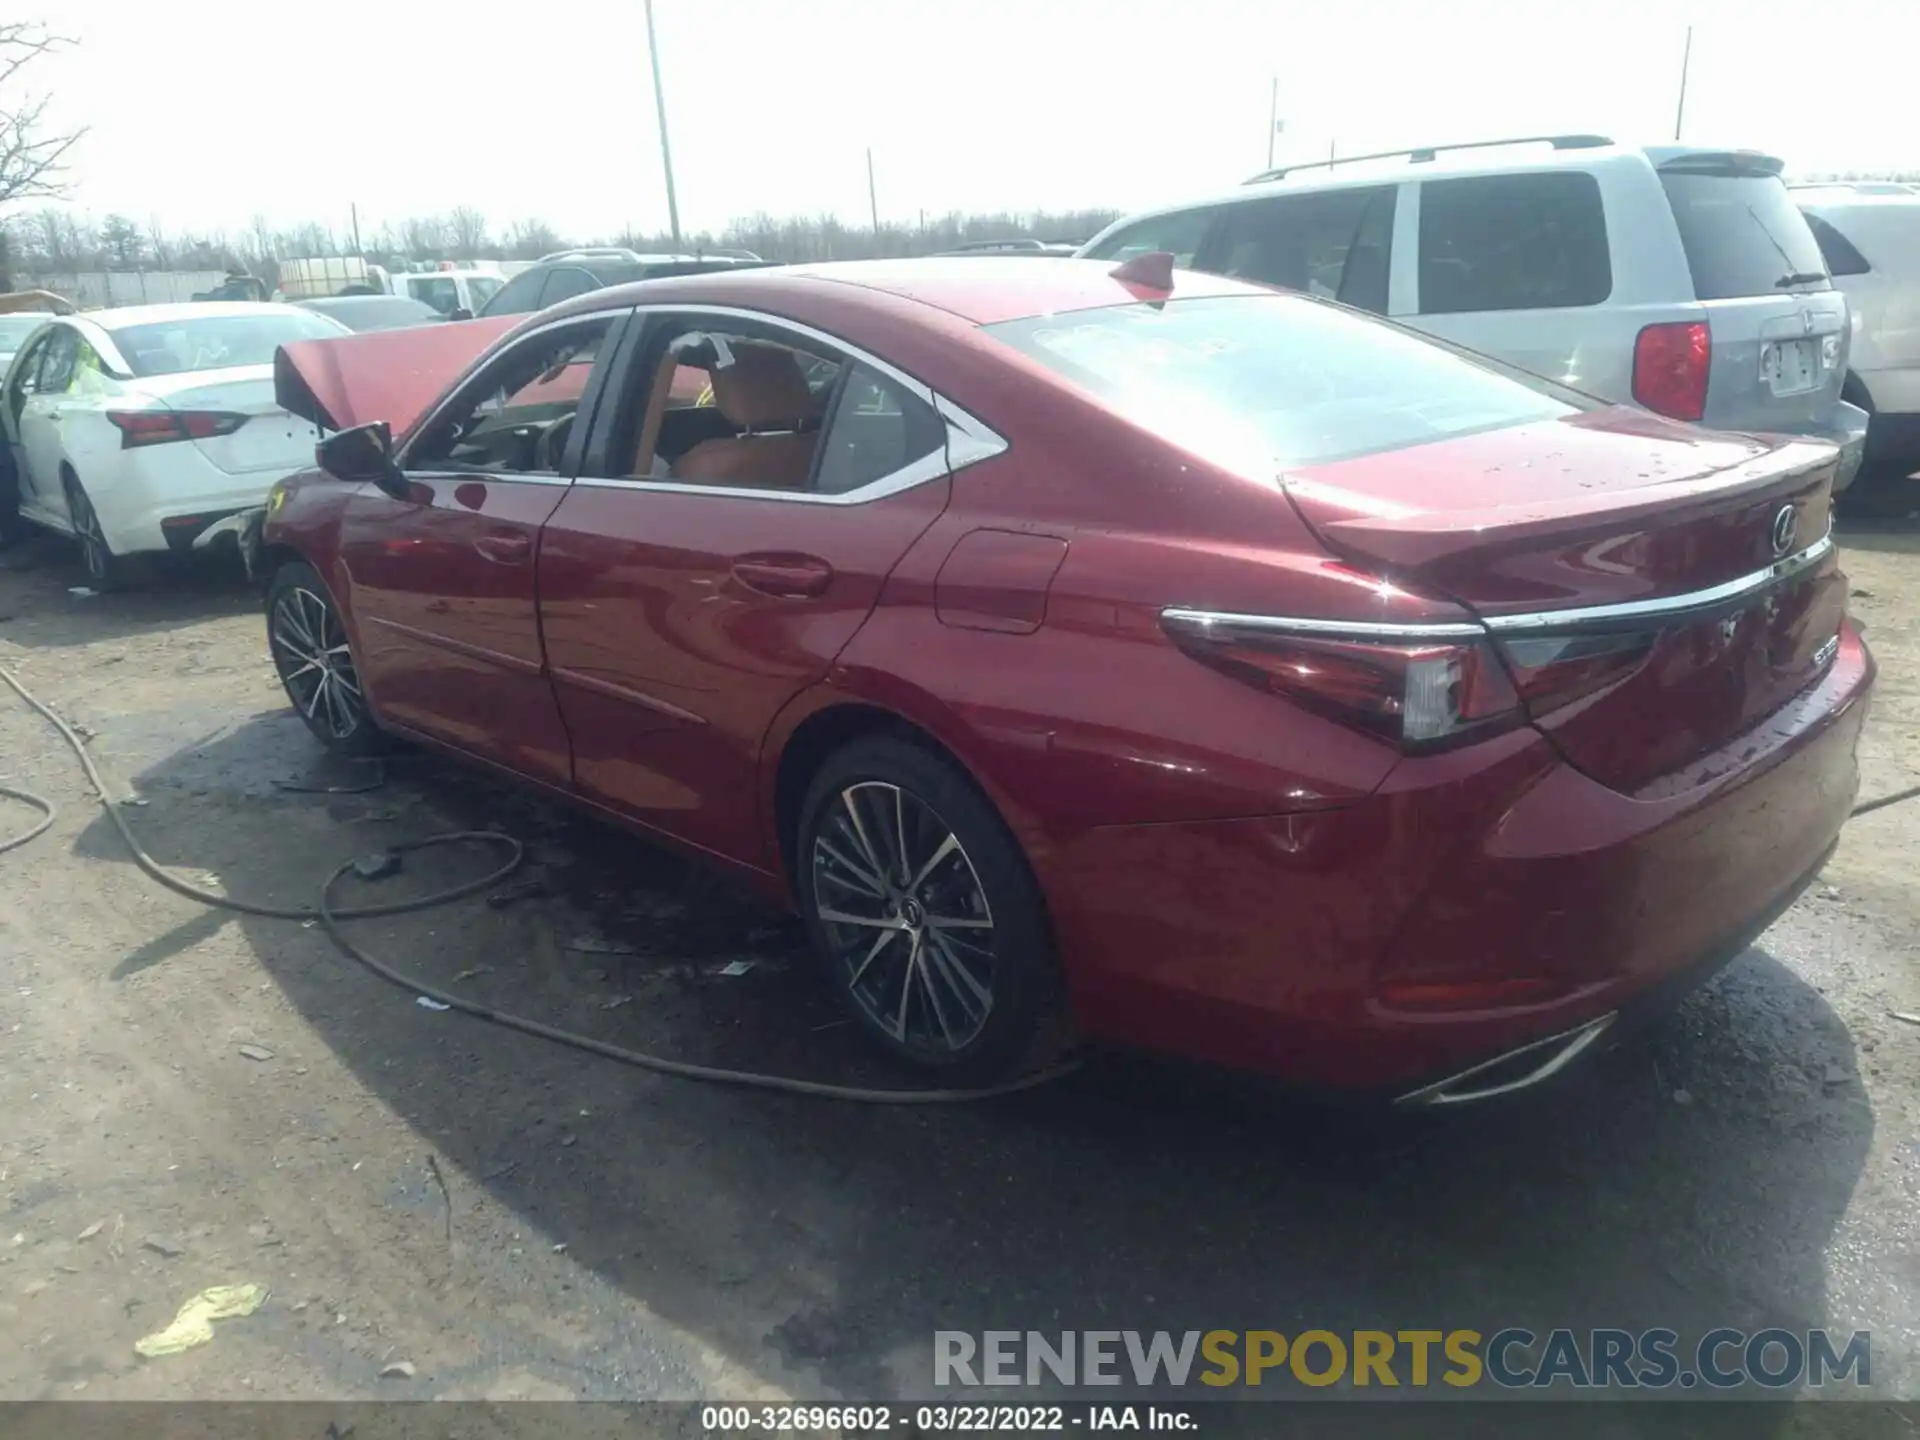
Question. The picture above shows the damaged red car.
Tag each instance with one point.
(1134, 655)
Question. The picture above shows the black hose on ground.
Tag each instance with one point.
(330, 917)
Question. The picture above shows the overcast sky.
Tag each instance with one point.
(303, 107)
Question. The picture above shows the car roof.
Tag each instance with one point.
(1461, 162)
(982, 290)
(111, 320)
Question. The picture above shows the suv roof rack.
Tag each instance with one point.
(1025, 242)
(1425, 154)
(591, 252)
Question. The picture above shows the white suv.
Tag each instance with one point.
(1870, 235)
(1680, 279)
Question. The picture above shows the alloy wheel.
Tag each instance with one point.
(905, 917)
(315, 664)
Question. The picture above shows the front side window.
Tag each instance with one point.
(745, 409)
(1838, 251)
(57, 361)
(516, 416)
(1180, 235)
(217, 342)
(1334, 244)
(1513, 242)
(1262, 384)
(1743, 234)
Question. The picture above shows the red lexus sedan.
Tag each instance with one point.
(1131, 654)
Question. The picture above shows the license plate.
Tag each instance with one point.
(1790, 367)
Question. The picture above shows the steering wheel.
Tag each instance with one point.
(553, 439)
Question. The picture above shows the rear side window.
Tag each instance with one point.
(442, 292)
(877, 428)
(1513, 242)
(1179, 235)
(519, 296)
(1743, 234)
(565, 283)
(1265, 383)
(1334, 244)
(1836, 249)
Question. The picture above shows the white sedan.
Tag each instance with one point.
(137, 430)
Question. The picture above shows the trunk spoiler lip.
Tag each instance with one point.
(1412, 539)
(1630, 613)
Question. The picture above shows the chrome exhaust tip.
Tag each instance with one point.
(1516, 1070)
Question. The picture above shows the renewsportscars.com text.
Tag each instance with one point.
(1511, 1358)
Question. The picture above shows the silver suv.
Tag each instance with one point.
(1680, 279)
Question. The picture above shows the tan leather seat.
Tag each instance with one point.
(763, 390)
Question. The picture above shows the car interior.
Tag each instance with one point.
(754, 419)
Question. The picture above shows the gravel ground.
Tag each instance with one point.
(191, 1098)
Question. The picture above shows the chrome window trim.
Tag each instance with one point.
(969, 441)
(1203, 622)
(432, 417)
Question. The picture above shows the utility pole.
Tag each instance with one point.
(666, 153)
(355, 209)
(873, 203)
(1273, 119)
(1686, 59)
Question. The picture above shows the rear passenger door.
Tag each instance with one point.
(719, 549)
(1517, 266)
(1332, 244)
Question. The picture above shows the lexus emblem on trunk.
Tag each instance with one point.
(1785, 523)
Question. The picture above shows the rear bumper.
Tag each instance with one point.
(171, 509)
(1482, 900)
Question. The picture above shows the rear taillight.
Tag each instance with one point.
(1670, 364)
(159, 427)
(1417, 693)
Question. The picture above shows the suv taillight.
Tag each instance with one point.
(1670, 364)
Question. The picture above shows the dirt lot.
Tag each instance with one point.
(512, 1219)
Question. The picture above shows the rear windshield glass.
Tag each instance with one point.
(1743, 235)
(377, 312)
(1264, 383)
(216, 342)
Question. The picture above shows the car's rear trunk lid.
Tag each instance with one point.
(1706, 556)
(268, 439)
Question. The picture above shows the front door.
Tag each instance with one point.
(441, 585)
(723, 545)
(36, 398)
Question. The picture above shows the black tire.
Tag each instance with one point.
(911, 983)
(106, 571)
(1883, 490)
(308, 642)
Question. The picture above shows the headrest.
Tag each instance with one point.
(763, 389)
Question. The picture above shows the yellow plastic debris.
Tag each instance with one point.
(194, 1324)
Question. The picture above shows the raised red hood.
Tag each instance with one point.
(390, 375)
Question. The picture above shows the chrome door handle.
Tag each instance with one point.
(790, 577)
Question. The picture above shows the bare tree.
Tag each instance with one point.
(424, 237)
(530, 239)
(32, 156)
(466, 232)
(122, 240)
